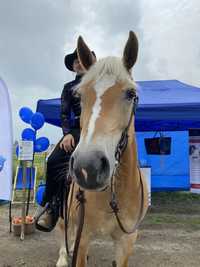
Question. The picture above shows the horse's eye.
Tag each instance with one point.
(130, 94)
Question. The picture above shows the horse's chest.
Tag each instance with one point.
(104, 222)
(99, 218)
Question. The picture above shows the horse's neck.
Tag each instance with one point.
(128, 170)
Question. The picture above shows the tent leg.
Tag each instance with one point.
(29, 189)
(10, 215)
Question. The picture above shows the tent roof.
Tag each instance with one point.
(165, 105)
(167, 92)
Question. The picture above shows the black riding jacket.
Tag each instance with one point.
(70, 103)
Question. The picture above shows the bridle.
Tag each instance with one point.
(118, 153)
(121, 146)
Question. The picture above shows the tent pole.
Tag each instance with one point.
(24, 164)
(10, 215)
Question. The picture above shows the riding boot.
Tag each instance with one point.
(47, 222)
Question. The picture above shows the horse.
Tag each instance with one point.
(107, 91)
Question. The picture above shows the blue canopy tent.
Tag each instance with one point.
(167, 105)
(163, 106)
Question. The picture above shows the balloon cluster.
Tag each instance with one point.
(36, 120)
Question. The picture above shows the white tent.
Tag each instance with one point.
(6, 140)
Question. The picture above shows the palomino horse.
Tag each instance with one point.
(107, 92)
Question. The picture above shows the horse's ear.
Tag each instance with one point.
(84, 54)
(130, 51)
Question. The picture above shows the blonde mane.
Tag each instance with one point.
(108, 66)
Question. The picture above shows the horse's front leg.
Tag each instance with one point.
(83, 251)
(124, 249)
(63, 258)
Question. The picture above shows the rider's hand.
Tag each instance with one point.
(67, 143)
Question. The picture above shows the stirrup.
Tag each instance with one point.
(38, 216)
(54, 208)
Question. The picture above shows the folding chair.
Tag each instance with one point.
(31, 174)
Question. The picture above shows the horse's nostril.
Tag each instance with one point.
(90, 170)
(104, 164)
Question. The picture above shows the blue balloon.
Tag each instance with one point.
(37, 120)
(40, 193)
(28, 134)
(26, 114)
(41, 144)
(17, 151)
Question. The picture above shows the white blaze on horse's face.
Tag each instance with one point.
(106, 108)
(100, 88)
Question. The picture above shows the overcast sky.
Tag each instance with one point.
(35, 36)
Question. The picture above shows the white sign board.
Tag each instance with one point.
(146, 171)
(25, 150)
(6, 144)
(194, 154)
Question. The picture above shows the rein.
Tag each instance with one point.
(115, 208)
(113, 203)
(81, 215)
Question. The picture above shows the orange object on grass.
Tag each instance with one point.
(18, 220)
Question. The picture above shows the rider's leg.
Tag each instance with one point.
(57, 167)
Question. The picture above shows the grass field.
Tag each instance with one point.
(180, 209)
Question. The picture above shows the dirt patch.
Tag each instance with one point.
(165, 240)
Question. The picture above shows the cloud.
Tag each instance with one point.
(171, 44)
(35, 36)
(102, 26)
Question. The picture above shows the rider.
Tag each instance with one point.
(57, 163)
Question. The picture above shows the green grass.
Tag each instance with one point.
(39, 162)
(174, 209)
(178, 197)
(172, 220)
(175, 203)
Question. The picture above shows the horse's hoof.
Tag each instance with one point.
(62, 262)
(114, 264)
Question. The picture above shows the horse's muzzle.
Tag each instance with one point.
(90, 170)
